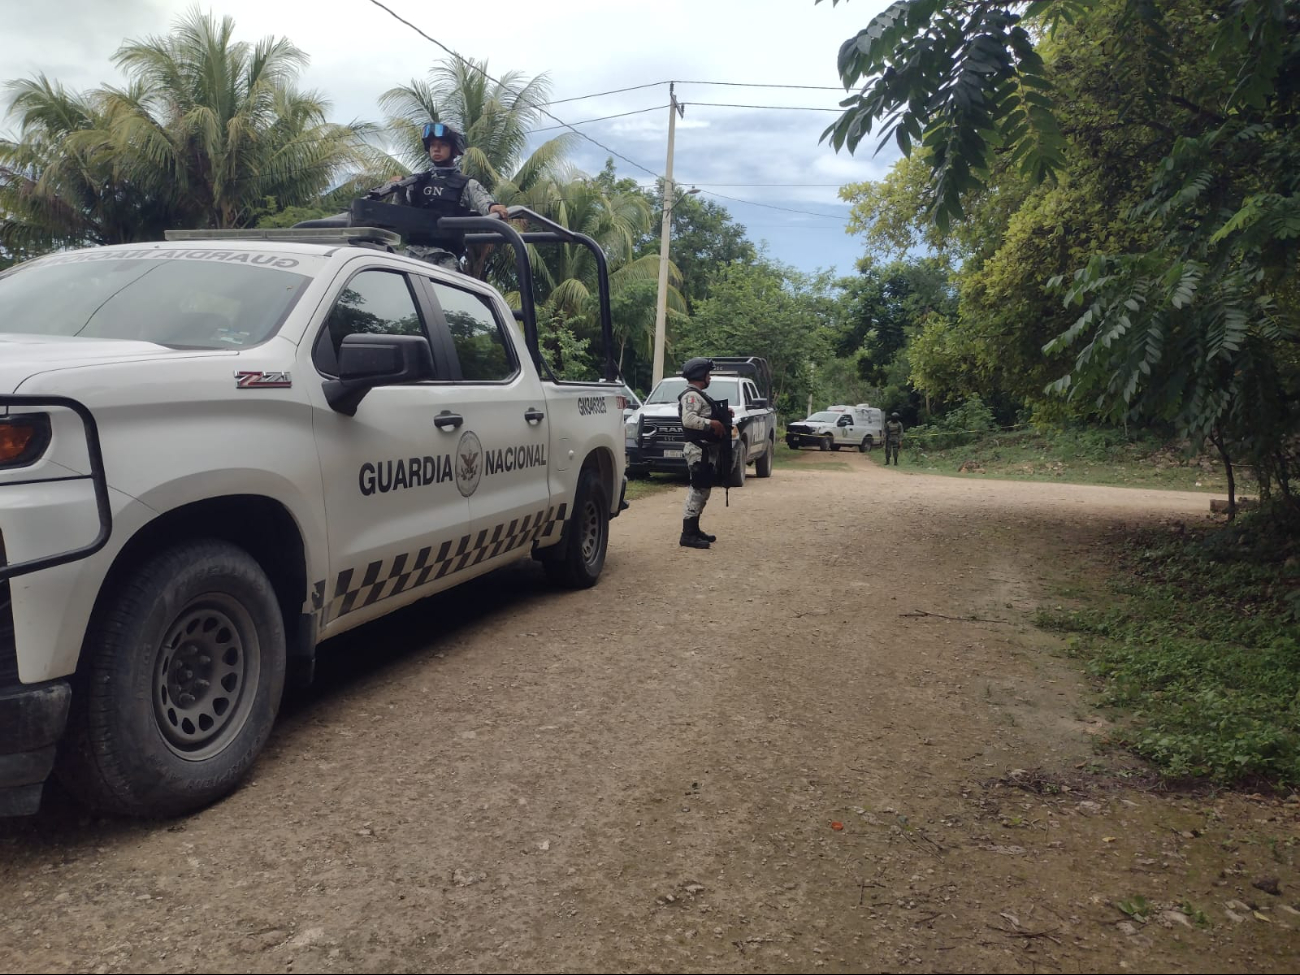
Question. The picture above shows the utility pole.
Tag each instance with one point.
(661, 305)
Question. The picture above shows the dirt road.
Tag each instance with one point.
(756, 758)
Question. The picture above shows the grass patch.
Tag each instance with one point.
(1200, 650)
(1075, 456)
(644, 487)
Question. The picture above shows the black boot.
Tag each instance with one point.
(691, 534)
(700, 533)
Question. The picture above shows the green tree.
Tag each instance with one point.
(60, 182)
(765, 309)
(496, 119)
(219, 124)
(565, 275)
(1187, 282)
(704, 240)
(884, 308)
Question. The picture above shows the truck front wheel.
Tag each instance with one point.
(582, 555)
(181, 683)
(740, 454)
(763, 468)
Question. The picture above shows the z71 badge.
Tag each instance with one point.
(262, 380)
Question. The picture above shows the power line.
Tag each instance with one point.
(603, 118)
(773, 206)
(563, 124)
(783, 108)
(656, 84)
(742, 84)
(602, 94)
(466, 61)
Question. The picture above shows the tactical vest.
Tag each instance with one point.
(701, 438)
(440, 190)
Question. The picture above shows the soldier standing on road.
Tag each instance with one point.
(702, 434)
(446, 191)
(893, 438)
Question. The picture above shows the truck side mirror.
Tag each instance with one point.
(368, 361)
(759, 403)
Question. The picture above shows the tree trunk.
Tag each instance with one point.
(1218, 441)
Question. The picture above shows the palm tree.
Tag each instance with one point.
(203, 133)
(566, 274)
(220, 125)
(496, 118)
(60, 185)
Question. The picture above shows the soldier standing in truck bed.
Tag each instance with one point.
(446, 191)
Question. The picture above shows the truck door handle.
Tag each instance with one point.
(448, 420)
(534, 415)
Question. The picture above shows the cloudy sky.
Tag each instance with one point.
(758, 155)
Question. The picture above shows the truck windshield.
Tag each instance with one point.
(825, 416)
(669, 390)
(181, 303)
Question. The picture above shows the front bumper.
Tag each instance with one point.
(797, 440)
(32, 720)
(654, 459)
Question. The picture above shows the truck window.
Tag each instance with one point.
(750, 395)
(481, 347)
(670, 390)
(374, 303)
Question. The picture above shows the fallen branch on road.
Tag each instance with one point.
(1049, 935)
(959, 619)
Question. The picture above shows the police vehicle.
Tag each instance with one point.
(219, 450)
(654, 432)
(861, 427)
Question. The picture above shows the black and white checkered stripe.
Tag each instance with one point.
(384, 578)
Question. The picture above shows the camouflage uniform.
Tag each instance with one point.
(696, 414)
(473, 198)
(893, 439)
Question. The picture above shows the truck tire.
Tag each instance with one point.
(866, 445)
(824, 443)
(582, 558)
(181, 681)
(763, 466)
(836, 446)
(793, 443)
(737, 478)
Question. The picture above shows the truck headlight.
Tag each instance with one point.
(23, 439)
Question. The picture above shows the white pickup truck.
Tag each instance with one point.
(654, 437)
(215, 453)
(861, 427)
